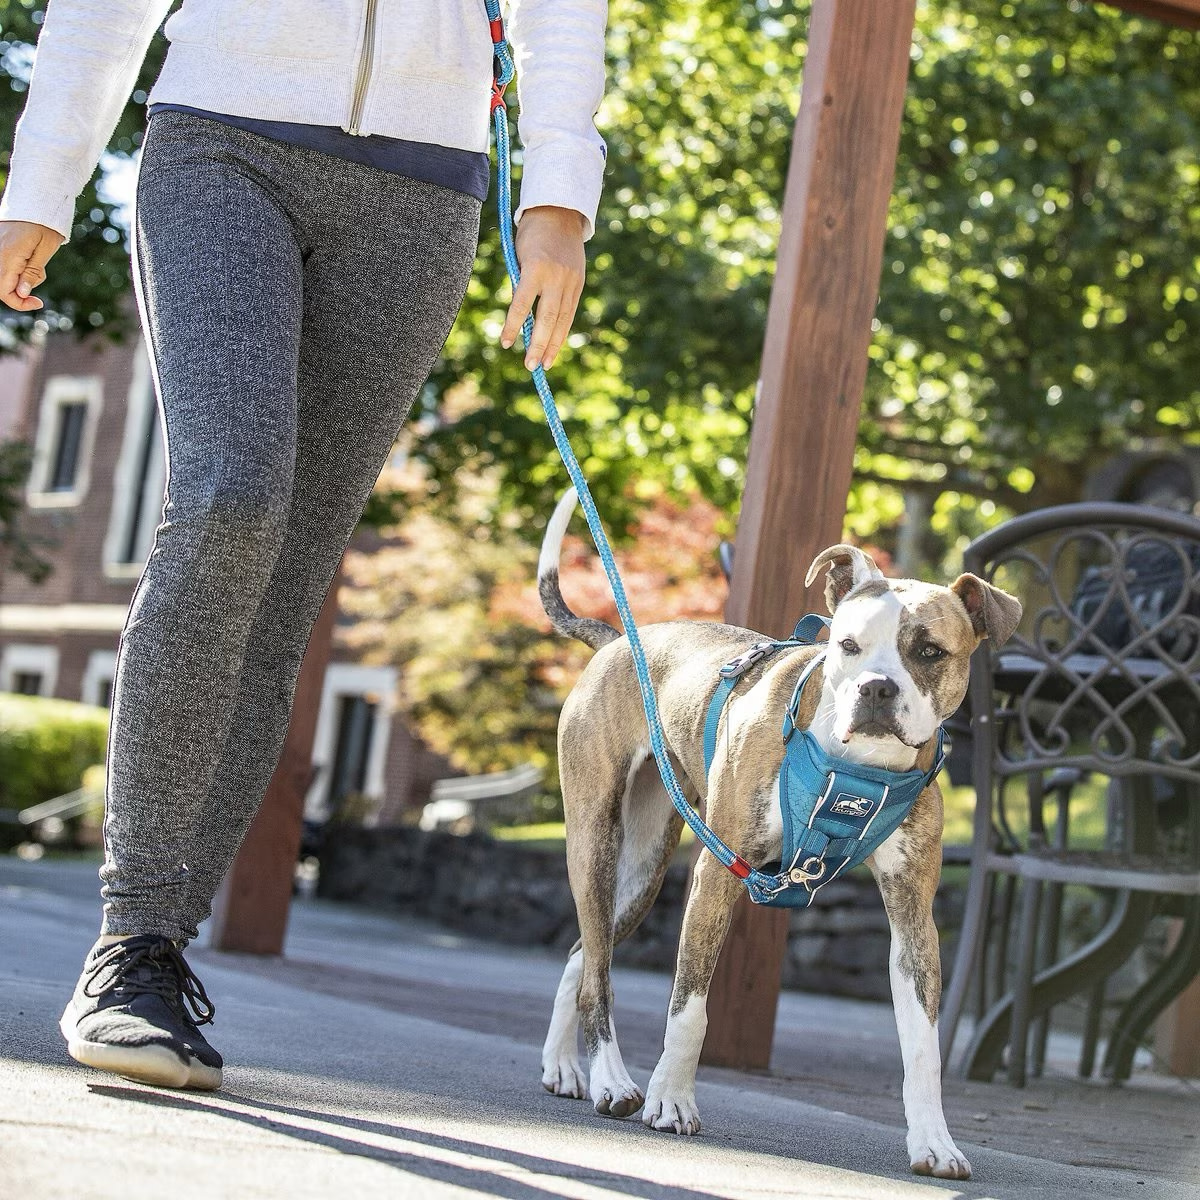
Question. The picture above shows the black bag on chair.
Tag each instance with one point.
(1157, 575)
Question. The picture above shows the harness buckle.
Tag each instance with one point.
(740, 665)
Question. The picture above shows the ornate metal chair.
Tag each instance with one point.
(1096, 699)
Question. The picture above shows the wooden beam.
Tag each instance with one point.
(805, 425)
(251, 910)
(1174, 12)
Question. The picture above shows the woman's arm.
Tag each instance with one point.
(558, 46)
(88, 58)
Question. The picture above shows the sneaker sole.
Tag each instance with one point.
(152, 1064)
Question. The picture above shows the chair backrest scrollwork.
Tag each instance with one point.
(1103, 673)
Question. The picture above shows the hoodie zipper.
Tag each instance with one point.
(365, 61)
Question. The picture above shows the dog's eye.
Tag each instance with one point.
(849, 646)
(930, 652)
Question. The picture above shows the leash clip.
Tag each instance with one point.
(809, 871)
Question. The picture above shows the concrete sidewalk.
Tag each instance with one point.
(387, 1058)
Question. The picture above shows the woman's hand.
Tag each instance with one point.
(550, 252)
(25, 249)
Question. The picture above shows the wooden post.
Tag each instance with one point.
(814, 367)
(251, 910)
(1177, 1030)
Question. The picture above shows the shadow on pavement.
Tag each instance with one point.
(442, 1169)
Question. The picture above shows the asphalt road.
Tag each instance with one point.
(385, 1058)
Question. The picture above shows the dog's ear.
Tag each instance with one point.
(994, 614)
(849, 568)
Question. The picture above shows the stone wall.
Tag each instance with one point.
(504, 891)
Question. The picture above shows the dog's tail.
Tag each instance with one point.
(585, 629)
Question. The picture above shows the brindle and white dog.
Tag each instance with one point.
(897, 666)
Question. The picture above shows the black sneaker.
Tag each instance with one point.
(130, 1014)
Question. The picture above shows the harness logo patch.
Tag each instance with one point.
(847, 805)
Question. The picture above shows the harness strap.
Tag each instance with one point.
(730, 675)
(807, 630)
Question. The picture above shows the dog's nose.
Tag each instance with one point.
(877, 688)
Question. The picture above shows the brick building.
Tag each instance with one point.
(93, 500)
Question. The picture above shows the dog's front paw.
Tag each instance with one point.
(620, 1101)
(613, 1093)
(938, 1156)
(564, 1077)
(672, 1111)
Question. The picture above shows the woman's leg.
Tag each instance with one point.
(389, 263)
(219, 272)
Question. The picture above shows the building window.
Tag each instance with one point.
(98, 678)
(29, 670)
(143, 487)
(353, 730)
(356, 723)
(71, 419)
(138, 480)
(62, 449)
(27, 683)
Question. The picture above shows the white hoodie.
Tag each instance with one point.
(415, 69)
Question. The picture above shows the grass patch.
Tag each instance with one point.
(1088, 813)
(552, 835)
(544, 835)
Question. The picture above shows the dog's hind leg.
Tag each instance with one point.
(906, 867)
(561, 1072)
(594, 792)
(671, 1094)
(649, 835)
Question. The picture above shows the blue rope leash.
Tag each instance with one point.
(758, 884)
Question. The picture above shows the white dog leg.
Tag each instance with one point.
(931, 1149)
(671, 1105)
(561, 1072)
(671, 1095)
(906, 867)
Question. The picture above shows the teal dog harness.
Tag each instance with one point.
(836, 814)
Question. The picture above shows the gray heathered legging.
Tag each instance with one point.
(294, 304)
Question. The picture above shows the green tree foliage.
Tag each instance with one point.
(658, 387)
(1039, 297)
(1039, 302)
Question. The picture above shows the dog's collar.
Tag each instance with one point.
(835, 813)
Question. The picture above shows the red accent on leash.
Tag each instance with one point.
(740, 867)
(497, 96)
(497, 28)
